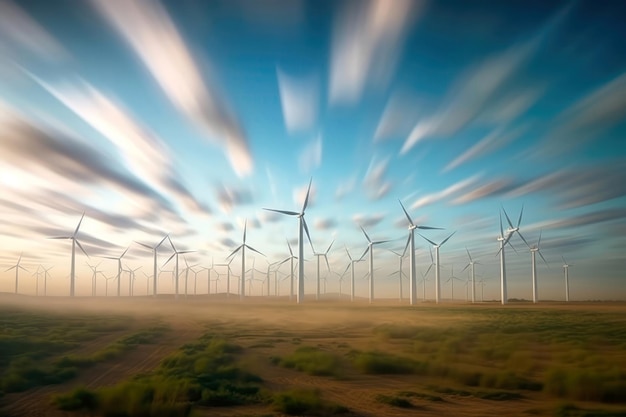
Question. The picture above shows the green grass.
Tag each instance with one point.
(312, 361)
(381, 363)
(305, 403)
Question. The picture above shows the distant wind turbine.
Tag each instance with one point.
(228, 271)
(566, 273)
(318, 256)
(290, 259)
(242, 247)
(302, 228)
(46, 275)
(175, 254)
(74, 243)
(437, 266)
(93, 277)
(451, 281)
(17, 268)
(400, 271)
(119, 268)
(131, 280)
(411, 243)
(154, 250)
(511, 230)
(370, 249)
(351, 266)
(533, 250)
(36, 275)
(472, 272)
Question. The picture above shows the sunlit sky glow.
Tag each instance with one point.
(188, 117)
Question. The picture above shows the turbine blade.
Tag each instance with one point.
(407, 244)
(254, 250)
(15, 266)
(507, 218)
(329, 246)
(348, 253)
(60, 237)
(245, 229)
(124, 253)
(519, 220)
(168, 259)
(78, 227)
(432, 261)
(468, 255)
(327, 264)
(347, 267)
(406, 213)
(563, 260)
(428, 270)
(378, 242)
(539, 241)
(289, 213)
(185, 251)
(144, 245)
(544, 259)
(429, 228)
(501, 229)
(289, 245)
(81, 247)
(366, 235)
(364, 253)
(171, 243)
(306, 199)
(520, 235)
(466, 266)
(446, 239)
(306, 229)
(427, 239)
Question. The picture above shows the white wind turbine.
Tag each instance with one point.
(175, 254)
(95, 271)
(411, 243)
(451, 281)
(437, 265)
(73, 264)
(17, 267)
(228, 271)
(242, 247)
(566, 274)
(119, 268)
(302, 228)
(290, 259)
(318, 256)
(511, 230)
(472, 272)
(154, 250)
(424, 279)
(186, 270)
(131, 280)
(46, 275)
(533, 250)
(370, 249)
(36, 275)
(400, 272)
(351, 266)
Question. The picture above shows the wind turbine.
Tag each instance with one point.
(290, 259)
(302, 228)
(93, 277)
(533, 250)
(351, 266)
(437, 265)
(400, 272)
(318, 256)
(370, 249)
(411, 243)
(242, 247)
(187, 268)
(566, 273)
(472, 272)
(36, 275)
(17, 267)
(175, 254)
(228, 271)
(72, 267)
(451, 281)
(424, 279)
(131, 280)
(119, 268)
(154, 250)
(511, 230)
(45, 280)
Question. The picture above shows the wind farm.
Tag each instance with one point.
(294, 207)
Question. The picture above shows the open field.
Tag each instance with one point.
(210, 357)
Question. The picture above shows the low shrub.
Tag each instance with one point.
(305, 402)
(394, 401)
(312, 360)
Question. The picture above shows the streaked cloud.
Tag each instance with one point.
(19, 32)
(491, 188)
(299, 194)
(376, 186)
(498, 138)
(299, 98)
(325, 223)
(447, 192)
(589, 219)
(153, 36)
(230, 197)
(365, 220)
(367, 39)
(311, 156)
(399, 117)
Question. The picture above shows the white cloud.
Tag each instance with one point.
(311, 156)
(366, 41)
(299, 98)
(148, 29)
(445, 193)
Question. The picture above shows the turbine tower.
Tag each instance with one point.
(228, 271)
(400, 272)
(351, 266)
(46, 275)
(533, 250)
(566, 273)
(154, 250)
(411, 243)
(318, 256)
(437, 265)
(93, 277)
(73, 264)
(119, 268)
(175, 254)
(242, 247)
(17, 268)
(470, 265)
(370, 249)
(302, 228)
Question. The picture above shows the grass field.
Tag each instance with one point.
(207, 357)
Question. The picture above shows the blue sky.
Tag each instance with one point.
(189, 117)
